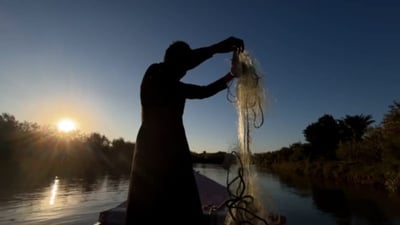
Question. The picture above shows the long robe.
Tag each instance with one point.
(162, 188)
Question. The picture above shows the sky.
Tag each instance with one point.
(85, 60)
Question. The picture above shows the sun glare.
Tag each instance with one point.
(66, 125)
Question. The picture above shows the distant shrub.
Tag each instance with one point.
(368, 150)
(300, 152)
(392, 182)
(391, 131)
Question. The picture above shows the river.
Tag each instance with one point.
(78, 201)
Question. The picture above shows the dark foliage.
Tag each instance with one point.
(28, 149)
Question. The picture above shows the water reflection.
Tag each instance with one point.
(346, 205)
(334, 202)
(66, 200)
(54, 191)
(78, 200)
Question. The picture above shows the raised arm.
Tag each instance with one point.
(199, 55)
(192, 91)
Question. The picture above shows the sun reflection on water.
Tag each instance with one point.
(54, 191)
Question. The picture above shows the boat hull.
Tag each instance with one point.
(212, 196)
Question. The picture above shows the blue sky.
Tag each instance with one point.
(85, 60)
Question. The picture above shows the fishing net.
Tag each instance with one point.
(245, 206)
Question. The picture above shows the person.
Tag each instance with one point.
(162, 183)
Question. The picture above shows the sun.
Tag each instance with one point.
(66, 125)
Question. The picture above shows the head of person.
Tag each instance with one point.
(177, 57)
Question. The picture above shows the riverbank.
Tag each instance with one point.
(380, 175)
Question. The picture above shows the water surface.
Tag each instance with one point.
(78, 201)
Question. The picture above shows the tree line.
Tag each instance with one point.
(345, 148)
(30, 149)
(349, 145)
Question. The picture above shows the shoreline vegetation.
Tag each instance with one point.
(344, 151)
(348, 150)
(41, 152)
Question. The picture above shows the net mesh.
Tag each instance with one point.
(250, 102)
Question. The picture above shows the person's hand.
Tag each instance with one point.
(228, 45)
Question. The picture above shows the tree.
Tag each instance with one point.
(391, 120)
(97, 141)
(8, 120)
(323, 136)
(8, 134)
(353, 128)
(300, 151)
(8, 126)
(118, 143)
(391, 130)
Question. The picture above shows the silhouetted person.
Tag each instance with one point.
(162, 187)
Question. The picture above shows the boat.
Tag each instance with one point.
(212, 196)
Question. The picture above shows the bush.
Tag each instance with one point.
(368, 150)
(392, 181)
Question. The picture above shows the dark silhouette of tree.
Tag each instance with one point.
(353, 128)
(300, 151)
(8, 127)
(118, 143)
(98, 141)
(391, 131)
(121, 152)
(323, 136)
(8, 122)
(208, 158)
(26, 148)
(391, 120)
